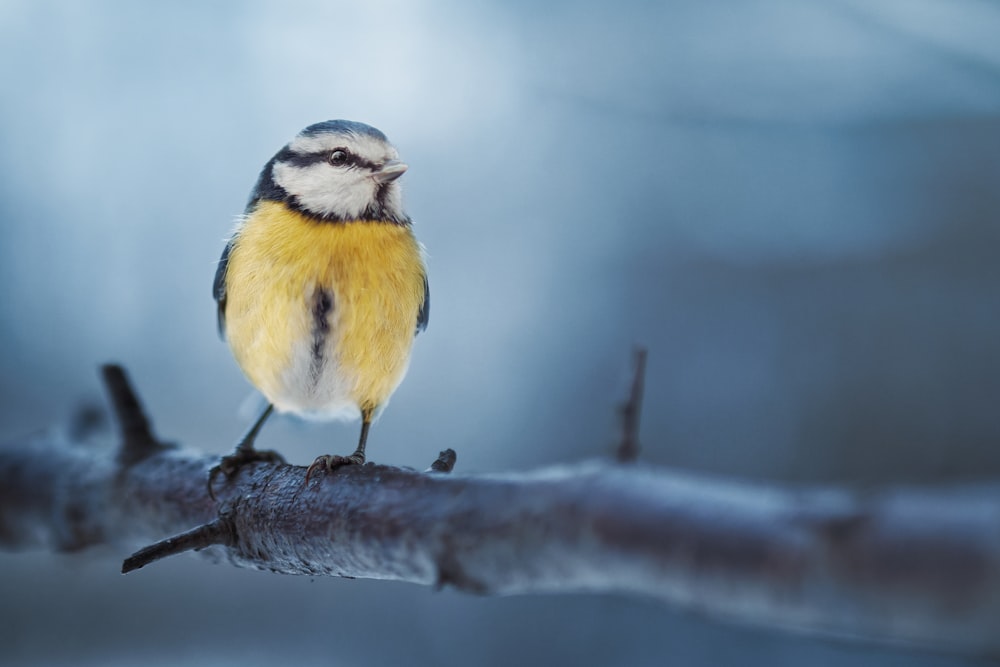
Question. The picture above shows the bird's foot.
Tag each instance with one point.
(334, 461)
(230, 465)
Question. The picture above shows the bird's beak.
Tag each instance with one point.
(389, 171)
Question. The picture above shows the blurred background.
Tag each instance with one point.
(794, 206)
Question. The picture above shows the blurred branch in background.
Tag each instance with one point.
(892, 26)
(912, 566)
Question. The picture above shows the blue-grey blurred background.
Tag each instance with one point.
(794, 205)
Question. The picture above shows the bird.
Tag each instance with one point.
(322, 287)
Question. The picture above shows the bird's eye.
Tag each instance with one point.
(338, 157)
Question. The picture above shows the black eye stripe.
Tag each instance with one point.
(304, 159)
(358, 161)
(307, 159)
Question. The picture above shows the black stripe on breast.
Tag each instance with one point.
(322, 309)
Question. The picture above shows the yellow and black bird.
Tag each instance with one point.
(322, 287)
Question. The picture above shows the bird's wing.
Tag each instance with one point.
(219, 286)
(424, 314)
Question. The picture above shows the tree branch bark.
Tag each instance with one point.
(902, 565)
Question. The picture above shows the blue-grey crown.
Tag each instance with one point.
(345, 127)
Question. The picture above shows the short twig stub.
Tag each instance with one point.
(628, 446)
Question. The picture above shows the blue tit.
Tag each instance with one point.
(322, 288)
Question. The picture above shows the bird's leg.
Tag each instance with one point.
(334, 461)
(244, 453)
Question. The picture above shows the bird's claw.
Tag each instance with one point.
(230, 465)
(334, 461)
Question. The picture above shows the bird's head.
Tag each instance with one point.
(336, 171)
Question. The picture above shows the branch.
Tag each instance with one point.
(905, 565)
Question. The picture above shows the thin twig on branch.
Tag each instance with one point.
(906, 565)
(137, 439)
(628, 446)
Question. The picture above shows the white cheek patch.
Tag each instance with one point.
(326, 190)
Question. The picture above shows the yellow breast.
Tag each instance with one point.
(374, 272)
